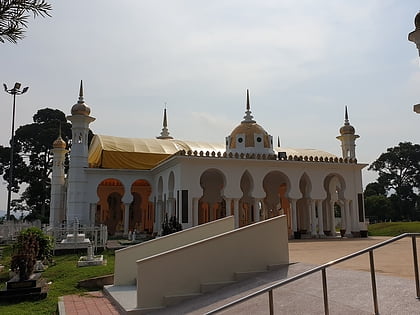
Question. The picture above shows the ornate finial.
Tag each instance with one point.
(165, 120)
(164, 134)
(248, 118)
(346, 117)
(59, 142)
(81, 100)
(80, 108)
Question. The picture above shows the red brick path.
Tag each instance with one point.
(88, 304)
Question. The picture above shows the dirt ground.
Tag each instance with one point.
(394, 259)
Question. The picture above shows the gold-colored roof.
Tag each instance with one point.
(249, 129)
(59, 143)
(137, 153)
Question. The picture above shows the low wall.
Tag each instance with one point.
(216, 259)
(125, 259)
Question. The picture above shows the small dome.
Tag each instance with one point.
(347, 129)
(249, 130)
(417, 21)
(59, 143)
(80, 108)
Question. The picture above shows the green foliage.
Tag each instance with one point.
(170, 226)
(64, 276)
(379, 207)
(399, 180)
(32, 244)
(14, 15)
(393, 228)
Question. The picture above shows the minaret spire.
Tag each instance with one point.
(248, 118)
(81, 100)
(346, 117)
(164, 134)
(348, 138)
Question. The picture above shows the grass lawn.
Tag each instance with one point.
(64, 276)
(393, 228)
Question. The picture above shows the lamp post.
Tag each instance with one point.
(15, 91)
(414, 37)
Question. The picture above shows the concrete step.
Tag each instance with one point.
(243, 275)
(170, 300)
(213, 286)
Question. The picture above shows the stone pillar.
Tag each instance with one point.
(236, 211)
(294, 216)
(332, 218)
(320, 219)
(256, 210)
(195, 211)
(93, 214)
(313, 217)
(348, 221)
(126, 217)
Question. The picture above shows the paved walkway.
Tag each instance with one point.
(394, 265)
(91, 303)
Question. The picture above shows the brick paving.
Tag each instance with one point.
(90, 303)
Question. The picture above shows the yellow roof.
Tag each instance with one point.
(144, 154)
(140, 154)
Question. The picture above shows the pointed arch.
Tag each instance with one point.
(246, 203)
(212, 205)
(141, 217)
(110, 209)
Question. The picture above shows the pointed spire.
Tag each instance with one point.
(346, 117)
(165, 120)
(164, 134)
(81, 100)
(59, 143)
(248, 118)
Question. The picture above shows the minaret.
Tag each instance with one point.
(347, 138)
(77, 203)
(57, 213)
(164, 134)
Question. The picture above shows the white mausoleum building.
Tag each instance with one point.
(129, 183)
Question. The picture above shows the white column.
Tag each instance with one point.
(320, 219)
(195, 211)
(332, 223)
(126, 217)
(236, 211)
(313, 217)
(256, 210)
(294, 216)
(92, 214)
(348, 219)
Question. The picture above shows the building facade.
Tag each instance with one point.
(136, 184)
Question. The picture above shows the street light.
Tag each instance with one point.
(15, 91)
(414, 37)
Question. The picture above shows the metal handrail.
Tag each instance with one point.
(323, 268)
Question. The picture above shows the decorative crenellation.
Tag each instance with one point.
(253, 156)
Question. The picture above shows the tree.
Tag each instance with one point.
(33, 144)
(14, 15)
(399, 175)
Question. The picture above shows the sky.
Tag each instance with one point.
(303, 62)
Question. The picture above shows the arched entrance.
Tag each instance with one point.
(246, 203)
(211, 205)
(110, 209)
(276, 186)
(334, 185)
(141, 209)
